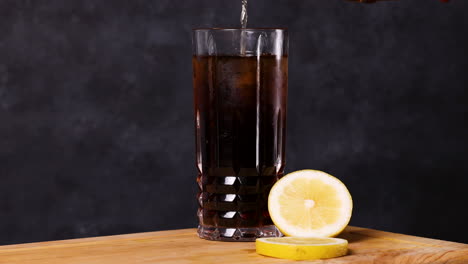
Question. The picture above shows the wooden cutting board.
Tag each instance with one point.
(183, 246)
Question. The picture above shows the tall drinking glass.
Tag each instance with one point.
(240, 79)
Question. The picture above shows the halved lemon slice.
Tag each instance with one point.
(298, 248)
(310, 203)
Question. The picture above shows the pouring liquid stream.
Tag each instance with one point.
(244, 16)
(243, 20)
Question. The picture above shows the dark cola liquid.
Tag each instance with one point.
(240, 113)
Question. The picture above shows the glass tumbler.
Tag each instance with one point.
(240, 80)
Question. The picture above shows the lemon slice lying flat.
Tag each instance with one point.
(297, 248)
(310, 203)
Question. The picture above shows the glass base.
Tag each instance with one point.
(240, 234)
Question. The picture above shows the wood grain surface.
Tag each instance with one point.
(183, 246)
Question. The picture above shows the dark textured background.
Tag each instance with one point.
(96, 130)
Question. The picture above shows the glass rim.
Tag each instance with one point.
(240, 29)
